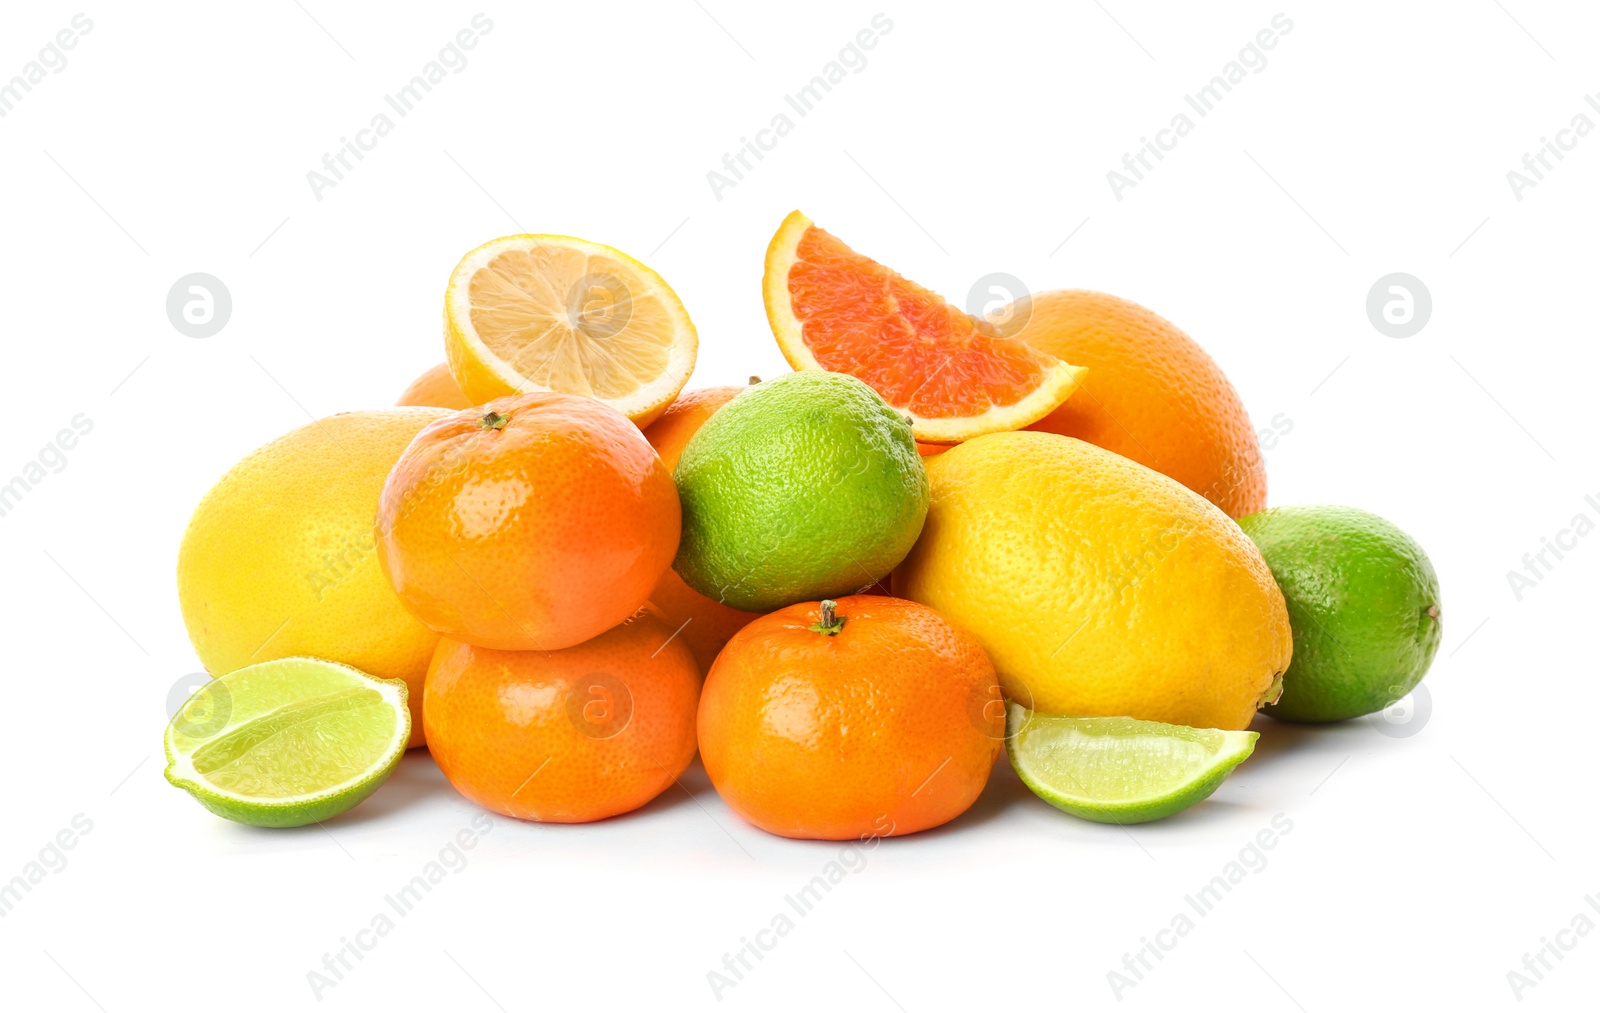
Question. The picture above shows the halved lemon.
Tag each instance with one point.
(528, 313)
(953, 374)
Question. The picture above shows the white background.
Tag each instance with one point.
(1419, 870)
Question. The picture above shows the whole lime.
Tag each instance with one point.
(807, 486)
(1363, 605)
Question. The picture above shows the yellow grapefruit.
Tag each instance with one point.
(279, 559)
(1099, 587)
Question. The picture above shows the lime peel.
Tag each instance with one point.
(1118, 769)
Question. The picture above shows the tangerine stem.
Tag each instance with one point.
(829, 624)
(494, 420)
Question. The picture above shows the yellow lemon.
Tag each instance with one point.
(1099, 587)
(279, 559)
(526, 313)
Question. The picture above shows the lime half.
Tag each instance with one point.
(288, 742)
(1120, 770)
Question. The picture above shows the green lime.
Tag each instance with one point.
(1363, 605)
(807, 486)
(1120, 770)
(288, 742)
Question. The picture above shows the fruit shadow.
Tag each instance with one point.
(418, 779)
(1280, 737)
(691, 786)
(415, 780)
(1279, 743)
(1004, 792)
(1277, 739)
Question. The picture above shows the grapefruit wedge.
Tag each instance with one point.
(954, 375)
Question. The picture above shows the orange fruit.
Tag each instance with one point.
(529, 523)
(565, 736)
(704, 622)
(436, 388)
(683, 418)
(955, 376)
(887, 726)
(1152, 395)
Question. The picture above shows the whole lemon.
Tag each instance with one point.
(279, 559)
(1099, 587)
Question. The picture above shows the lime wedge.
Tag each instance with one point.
(1120, 770)
(288, 742)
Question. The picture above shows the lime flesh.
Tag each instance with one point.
(1120, 770)
(288, 742)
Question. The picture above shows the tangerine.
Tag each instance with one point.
(861, 718)
(566, 736)
(533, 522)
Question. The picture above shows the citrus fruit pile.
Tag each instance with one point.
(847, 588)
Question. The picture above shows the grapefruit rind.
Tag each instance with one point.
(485, 375)
(1059, 381)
